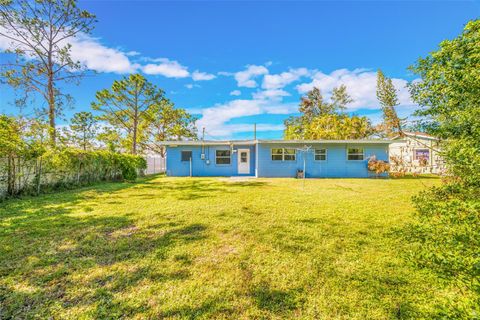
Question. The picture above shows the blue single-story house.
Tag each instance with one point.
(274, 158)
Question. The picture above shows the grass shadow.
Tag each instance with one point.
(279, 302)
(209, 309)
(45, 244)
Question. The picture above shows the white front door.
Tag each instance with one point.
(243, 161)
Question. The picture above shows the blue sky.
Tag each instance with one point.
(238, 63)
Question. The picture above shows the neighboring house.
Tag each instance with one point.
(417, 152)
(274, 158)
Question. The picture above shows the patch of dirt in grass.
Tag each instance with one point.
(123, 232)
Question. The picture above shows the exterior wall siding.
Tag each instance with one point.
(335, 166)
(207, 167)
(403, 153)
(262, 165)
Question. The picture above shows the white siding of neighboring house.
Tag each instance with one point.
(406, 149)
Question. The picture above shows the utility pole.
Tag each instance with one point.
(254, 131)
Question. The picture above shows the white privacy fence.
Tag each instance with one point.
(155, 164)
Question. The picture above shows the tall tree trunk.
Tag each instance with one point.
(135, 124)
(51, 93)
(51, 110)
(134, 138)
(84, 141)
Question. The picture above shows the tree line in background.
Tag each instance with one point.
(322, 119)
(133, 115)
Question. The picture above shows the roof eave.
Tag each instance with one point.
(327, 141)
(252, 142)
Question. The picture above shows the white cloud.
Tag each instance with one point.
(235, 93)
(215, 119)
(227, 130)
(167, 68)
(91, 53)
(132, 53)
(191, 86)
(361, 85)
(95, 56)
(270, 94)
(5, 43)
(278, 81)
(202, 76)
(245, 78)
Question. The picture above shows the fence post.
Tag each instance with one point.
(11, 175)
(39, 175)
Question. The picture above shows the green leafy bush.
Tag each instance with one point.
(447, 237)
(71, 167)
(447, 233)
(130, 165)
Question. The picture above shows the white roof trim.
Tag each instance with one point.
(416, 135)
(253, 142)
(207, 142)
(360, 141)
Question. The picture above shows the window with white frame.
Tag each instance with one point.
(289, 154)
(284, 154)
(355, 154)
(320, 154)
(222, 156)
(277, 154)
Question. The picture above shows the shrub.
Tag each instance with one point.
(448, 228)
(130, 165)
(71, 167)
(378, 166)
(447, 238)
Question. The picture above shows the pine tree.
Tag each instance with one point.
(387, 96)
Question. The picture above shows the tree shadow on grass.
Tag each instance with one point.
(192, 188)
(54, 259)
(208, 309)
(279, 302)
(48, 254)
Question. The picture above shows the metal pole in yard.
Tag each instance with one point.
(190, 166)
(304, 165)
(304, 173)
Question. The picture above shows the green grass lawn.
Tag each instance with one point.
(209, 248)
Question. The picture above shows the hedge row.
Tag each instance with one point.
(67, 168)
